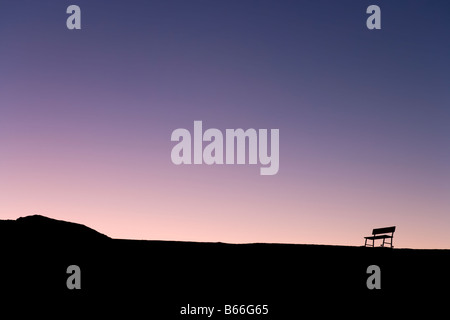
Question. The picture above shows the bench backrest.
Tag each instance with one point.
(383, 230)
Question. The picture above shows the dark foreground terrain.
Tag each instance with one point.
(156, 279)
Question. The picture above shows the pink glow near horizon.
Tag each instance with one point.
(222, 204)
(86, 119)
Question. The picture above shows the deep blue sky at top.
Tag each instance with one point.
(352, 104)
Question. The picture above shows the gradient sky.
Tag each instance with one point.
(364, 116)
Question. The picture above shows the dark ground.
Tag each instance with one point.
(154, 279)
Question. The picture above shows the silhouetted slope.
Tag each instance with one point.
(39, 228)
(157, 278)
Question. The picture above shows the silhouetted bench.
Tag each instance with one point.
(381, 233)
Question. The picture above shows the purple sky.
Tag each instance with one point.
(364, 117)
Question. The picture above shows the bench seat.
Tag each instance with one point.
(381, 233)
(384, 236)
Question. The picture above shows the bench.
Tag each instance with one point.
(381, 233)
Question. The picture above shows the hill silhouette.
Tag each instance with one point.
(158, 278)
(44, 229)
